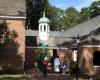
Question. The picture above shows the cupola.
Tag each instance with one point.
(44, 27)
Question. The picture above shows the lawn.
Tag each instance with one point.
(15, 78)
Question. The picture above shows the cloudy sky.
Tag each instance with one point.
(78, 4)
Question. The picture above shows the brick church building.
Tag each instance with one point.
(13, 12)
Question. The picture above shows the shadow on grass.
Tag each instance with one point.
(13, 78)
(17, 78)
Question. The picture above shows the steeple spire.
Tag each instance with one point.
(43, 13)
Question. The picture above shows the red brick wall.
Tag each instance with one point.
(14, 53)
(86, 60)
(30, 57)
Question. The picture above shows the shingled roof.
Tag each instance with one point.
(86, 27)
(12, 8)
(82, 29)
(90, 27)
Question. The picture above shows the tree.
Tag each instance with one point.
(5, 35)
(84, 15)
(71, 17)
(45, 4)
(34, 12)
(55, 15)
(95, 9)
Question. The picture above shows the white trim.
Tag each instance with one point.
(96, 66)
(48, 47)
(12, 17)
(84, 46)
(90, 46)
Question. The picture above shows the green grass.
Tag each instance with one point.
(13, 78)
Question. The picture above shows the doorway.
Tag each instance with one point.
(96, 58)
(55, 52)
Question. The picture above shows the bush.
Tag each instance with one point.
(10, 70)
(74, 70)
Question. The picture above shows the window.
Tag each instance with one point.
(96, 58)
(44, 27)
(31, 41)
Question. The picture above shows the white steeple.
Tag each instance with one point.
(44, 25)
(44, 19)
(44, 14)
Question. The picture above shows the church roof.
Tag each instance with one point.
(44, 20)
(85, 28)
(67, 38)
(82, 29)
(12, 8)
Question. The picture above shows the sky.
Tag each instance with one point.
(78, 4)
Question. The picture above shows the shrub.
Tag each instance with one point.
(74, 69)
(10, 70)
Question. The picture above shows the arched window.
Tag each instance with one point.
(44, 27)
(96, 58)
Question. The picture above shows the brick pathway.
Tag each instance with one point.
(35, 74)
(57, 76)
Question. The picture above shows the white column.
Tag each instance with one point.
(75, 55)
(46, 27)
(39, 28)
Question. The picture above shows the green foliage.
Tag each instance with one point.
(38, 52)
(3, 29)
(84, 15)
(38, 57)
(10, 70)
(72, 16)
(34, 12)
(55, 15)
(95, 9)
(74, 70)
(14, 34)
(60, 19)
(14, 78)
(5, 35)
